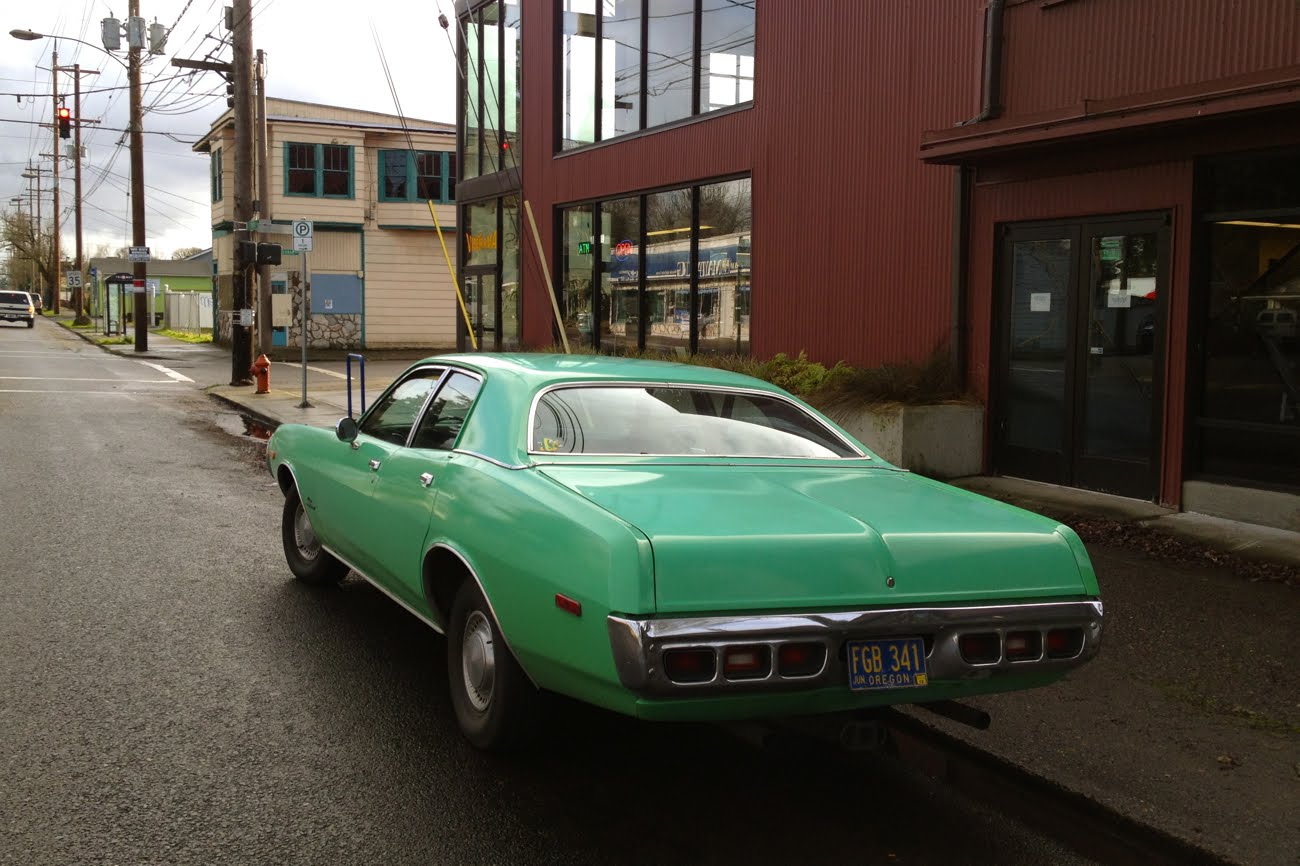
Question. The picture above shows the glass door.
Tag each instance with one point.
(481, 304)
(1080, 363)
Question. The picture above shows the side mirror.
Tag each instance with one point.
(346, 429)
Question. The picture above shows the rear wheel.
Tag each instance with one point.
(308, 561)
(497, 707)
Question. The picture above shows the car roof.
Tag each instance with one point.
(539, 370)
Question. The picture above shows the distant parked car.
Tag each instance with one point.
(672, 542)
(37, 301)
(17, 307)
(1280, 324)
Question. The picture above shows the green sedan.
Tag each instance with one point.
(672, 542)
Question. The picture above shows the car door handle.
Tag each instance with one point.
(426, 479)
(374, 464)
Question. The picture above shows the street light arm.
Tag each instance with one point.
(32, 36)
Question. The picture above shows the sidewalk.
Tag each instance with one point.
(1189, 720)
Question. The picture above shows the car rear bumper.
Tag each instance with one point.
(639, 644)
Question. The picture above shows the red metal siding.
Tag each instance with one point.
(852, 233)
(1060, 55)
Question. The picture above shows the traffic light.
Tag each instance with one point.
(65, 122)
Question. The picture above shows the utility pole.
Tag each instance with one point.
(78, 292)
(34, 173)
(264, 209)
(241, 356)
(140, 271)
(58, 252)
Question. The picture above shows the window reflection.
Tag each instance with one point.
(620, 251)
(578, 87)
(1252, 360)
(726, 54)
(510, 297)
(577, 270)
(620, 98)
(670, 63)
(668, 271)
(723, 268)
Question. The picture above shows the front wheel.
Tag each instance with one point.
(308, 561)
(31, 323)
(496, 704)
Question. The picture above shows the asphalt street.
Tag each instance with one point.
(171, 695)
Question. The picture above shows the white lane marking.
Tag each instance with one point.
(316, 369)
(85, 379)
(171, 374)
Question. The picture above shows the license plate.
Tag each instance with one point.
(887, 663)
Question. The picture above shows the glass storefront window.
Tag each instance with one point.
(668, 271)
(510, 296)
(512, 71)
(577, 274)
(638, 64)
(471, 40)
(726, 54)
(723, 267)
(1249, 414)
(490, 17)
(620, 252)
(578, 86)
(620, 96)
(670, 63)
(481, 238)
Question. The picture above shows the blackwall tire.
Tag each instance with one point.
(308, 561)
(497, 706)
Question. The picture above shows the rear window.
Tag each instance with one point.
(14, 298)
(678, 421)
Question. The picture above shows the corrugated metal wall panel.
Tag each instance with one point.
(852, 233)
(1057, 56)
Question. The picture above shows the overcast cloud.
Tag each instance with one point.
(317, 51)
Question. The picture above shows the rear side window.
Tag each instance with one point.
(679, 421)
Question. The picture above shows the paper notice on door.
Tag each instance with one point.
(1119, 298)
(1040, 302)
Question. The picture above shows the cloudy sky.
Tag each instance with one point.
(319, 51)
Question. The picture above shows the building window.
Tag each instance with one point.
(321, 170)
(217, 191)
(423, 175)
(490, 57)
(1248, 426)
(673, 269)
(637, 65)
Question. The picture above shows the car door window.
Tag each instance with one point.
(446, 413)
(392, 419)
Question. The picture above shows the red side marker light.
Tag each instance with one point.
(568, 605)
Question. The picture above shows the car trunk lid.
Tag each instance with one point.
(753, 537)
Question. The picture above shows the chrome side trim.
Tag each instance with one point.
(492, 460)
(379, 586)
(638, 644)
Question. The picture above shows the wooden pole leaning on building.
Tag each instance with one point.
(546, 273)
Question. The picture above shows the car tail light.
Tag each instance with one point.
(746, 662)
(800, 659)
(1064, 643)
(690, 665)
(1024, 645)
(980, 649)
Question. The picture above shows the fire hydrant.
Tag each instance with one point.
(261, 371)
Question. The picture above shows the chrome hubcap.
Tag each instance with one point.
(303, 535)
(478, 661)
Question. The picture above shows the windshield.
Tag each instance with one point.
(679, 421)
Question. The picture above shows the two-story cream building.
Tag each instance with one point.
(377, 273)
